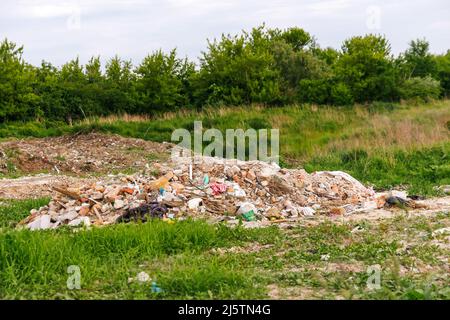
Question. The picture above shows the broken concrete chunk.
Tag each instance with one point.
(307, 211)
(118, 204)
(41, 223)
(112, 194)
(267, 172)
(97, 196)
(84, 221)
(251, 175)
(194, 204)
(84, 210)
(68, 216)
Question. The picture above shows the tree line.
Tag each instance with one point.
(263, 66)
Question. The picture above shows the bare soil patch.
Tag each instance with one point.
(92, 153)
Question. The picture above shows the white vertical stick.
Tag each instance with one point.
(190, 171)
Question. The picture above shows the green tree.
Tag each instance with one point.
(120, 95)
(238, 70)
(366, 67)
(418, 60)
(93, 90)
(159, 83)
(341, 95)
(295, 66)
(72, 71)
(72, 82)
(443, 72)
(314, 91)
(17, 80)
(329, 55)
(50, 91)
(297, 38)
(93, 70)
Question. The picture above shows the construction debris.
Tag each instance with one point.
(251, 191)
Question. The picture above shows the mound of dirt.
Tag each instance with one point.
(79, 154)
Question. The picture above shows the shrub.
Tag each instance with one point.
(422, 89)
(314, 91)
(366, 67)
(341, 95)
(159, 83)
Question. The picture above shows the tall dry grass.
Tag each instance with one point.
(406, 129)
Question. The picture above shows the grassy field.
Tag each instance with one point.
(193, 259)
(386, 145)
(382, 144)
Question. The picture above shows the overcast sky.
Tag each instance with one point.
(58, 31)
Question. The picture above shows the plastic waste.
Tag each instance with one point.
(245, 207)
(156, 288)
(218, 188)
(249, 216)
(238, 191)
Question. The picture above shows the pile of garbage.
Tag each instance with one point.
(233, 190)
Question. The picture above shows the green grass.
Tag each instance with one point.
(197, 260)
(34, 264)
(420, 171)
(12, 211)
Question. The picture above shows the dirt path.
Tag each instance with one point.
(431, 207)
(36, 186)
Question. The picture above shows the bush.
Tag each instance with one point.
(238, 70)
(314, 91)
(423, 89)
(443, 72)
(160, 81)
(341, 95)
(366, 67)
(264, 66)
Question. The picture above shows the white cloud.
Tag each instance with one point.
(47, 11)
(330, 6)
(441, 25)
(134, 28)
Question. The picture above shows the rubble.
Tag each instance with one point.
(41, 223)
(252, 191)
